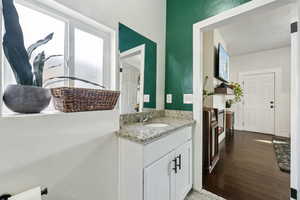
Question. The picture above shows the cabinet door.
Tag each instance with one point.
(183, 177)
(158, 179)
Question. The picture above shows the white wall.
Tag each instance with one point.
(146, 17)
(211, 43)
(219, 100)
(212, 39)
(74, 155)
(276, 59)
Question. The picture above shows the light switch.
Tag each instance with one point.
(188, 98)
(169, 98)
(146, 98)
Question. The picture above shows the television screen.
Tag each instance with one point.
(222, 68)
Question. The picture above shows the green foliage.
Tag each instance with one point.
(39, 43)
(38, 69)
(40, 60)
(19, 58)
(238, 94)
(17, 55)
(13, 45)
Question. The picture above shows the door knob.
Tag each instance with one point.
(272, 107)
(271, 102)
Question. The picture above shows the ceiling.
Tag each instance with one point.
(261, 32)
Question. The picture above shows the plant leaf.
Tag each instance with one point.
(39, 43)
(38, 69)
(13, 45)
(52, 56)
(54, 66)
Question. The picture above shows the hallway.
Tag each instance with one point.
(248, 170)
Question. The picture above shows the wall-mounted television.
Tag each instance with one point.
(222, 64)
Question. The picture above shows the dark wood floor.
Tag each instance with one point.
(247, 170)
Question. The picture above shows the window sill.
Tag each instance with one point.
(50, 113)
(17, 115)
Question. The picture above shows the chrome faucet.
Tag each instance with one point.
(146, 118)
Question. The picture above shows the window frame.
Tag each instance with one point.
(106, 48)
(72, 20)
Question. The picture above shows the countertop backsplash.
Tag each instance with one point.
(126, 119)
(179, 114)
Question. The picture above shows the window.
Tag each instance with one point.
(88, 63)
(82, 50)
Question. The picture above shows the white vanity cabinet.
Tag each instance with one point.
(161, 170)
(158, 180)
(170, 178)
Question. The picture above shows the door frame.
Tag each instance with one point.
(131, 52)
(229, 16)
(277, 79)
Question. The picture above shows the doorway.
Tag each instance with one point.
(259, 102)
(235, 14)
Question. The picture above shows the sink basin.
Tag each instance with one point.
(157, 125)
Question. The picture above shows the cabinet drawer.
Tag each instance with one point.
(163, 146)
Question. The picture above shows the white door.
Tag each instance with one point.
(259, 103)
(129, 89)
(159, 179)
(183, 180)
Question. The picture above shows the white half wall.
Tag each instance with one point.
(75, 155)
(146, 17)
(278, 60)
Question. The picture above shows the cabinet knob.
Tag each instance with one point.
(180, 164)
(177, 163)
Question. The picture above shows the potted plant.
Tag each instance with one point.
(237, 92)
(28, 95)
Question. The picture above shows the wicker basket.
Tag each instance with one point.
(69, 99)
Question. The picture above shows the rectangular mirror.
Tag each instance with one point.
(138, 62)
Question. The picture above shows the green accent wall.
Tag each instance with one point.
(181, 15)
(129, 39)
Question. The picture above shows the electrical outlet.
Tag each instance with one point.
(146, 98)
(188, 98)
(169, 98)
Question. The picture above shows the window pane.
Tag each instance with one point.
(88, 58)
(35, 26)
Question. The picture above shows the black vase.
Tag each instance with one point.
(26, 99)
(228, 105)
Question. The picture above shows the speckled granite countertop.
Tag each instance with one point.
(142, 134)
